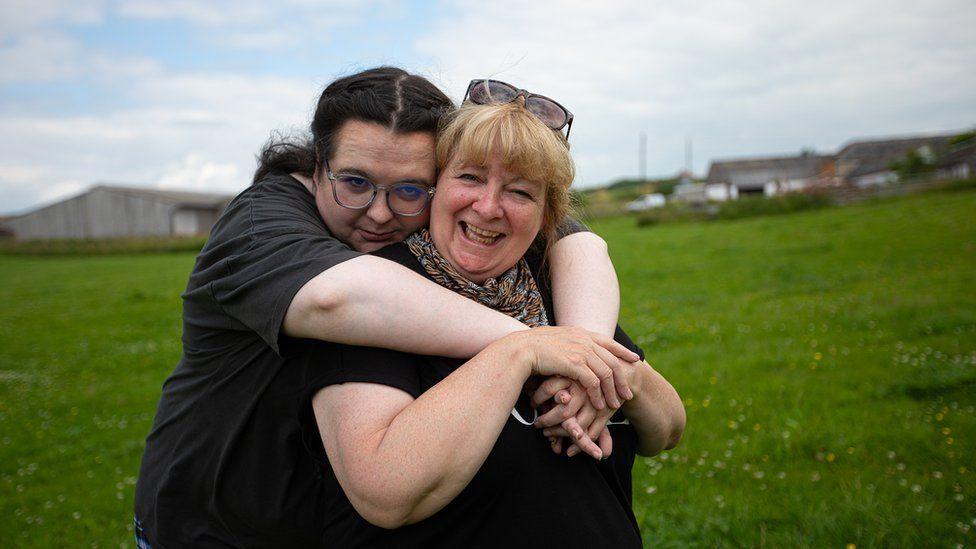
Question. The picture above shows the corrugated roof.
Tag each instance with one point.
(876, 155)
(756, 172)
(958, 155)
(183, 198)
(188, 198)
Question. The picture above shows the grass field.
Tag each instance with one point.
(827, 360)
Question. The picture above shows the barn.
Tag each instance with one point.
(110, 211)
(769, 176)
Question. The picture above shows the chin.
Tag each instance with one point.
(366, 246)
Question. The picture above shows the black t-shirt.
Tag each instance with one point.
(226, 422)
(523, 494)
(226, 461)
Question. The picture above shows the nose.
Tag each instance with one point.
(379, 210)
(488, 204)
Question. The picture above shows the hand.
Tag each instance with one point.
(576, 419)
(593, 438)
(589, 358)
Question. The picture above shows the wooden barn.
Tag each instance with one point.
(108, 211)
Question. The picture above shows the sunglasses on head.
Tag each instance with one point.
(484, 91)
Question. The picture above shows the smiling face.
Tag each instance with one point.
(371, 151)
(484, 218)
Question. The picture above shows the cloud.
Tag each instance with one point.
(196, 173)
(736, 77)
(190, 131)
(23, 16)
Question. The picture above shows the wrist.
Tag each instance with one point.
(639, 370)
(515, 353)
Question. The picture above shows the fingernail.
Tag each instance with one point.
(599, 455)
(572, 451)
(630, 394)
(578, 434)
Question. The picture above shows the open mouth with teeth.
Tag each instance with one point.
(479, 235)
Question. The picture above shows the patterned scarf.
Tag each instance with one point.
(513, 293)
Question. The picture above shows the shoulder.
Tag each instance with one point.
(277, 204)
(334, 363)
(400, 253)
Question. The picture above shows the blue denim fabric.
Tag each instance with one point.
(141, 541)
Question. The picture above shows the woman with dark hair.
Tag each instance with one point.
(282, 271)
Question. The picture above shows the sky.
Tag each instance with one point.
(183, 94)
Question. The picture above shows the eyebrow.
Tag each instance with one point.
(365, 175)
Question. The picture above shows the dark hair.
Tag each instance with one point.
(390, 96)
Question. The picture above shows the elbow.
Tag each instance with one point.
(382, 506)
(386, 517)
(677, 428)
(678, 419)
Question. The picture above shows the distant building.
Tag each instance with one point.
(728, 179)
(868, 163)
(106, 211)
(958, 163)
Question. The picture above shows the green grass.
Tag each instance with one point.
(827, 360)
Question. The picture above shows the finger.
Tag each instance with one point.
(580, 370)
(577, 400)
(563, 397)
(581, 439)
(555, 416)
(603, 370)
(548, 388)
(605, 442)
(594, 390)
(619, 368)
(589, 447)
(585, 417)
(617, 349)
(599, 424)
(605, 374)
(576, 432)
(558, 447)
(557, 431)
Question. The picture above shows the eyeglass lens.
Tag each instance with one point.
(402, 198)
(543, 108)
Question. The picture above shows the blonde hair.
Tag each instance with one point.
(527, 146)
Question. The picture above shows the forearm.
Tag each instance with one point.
(363, 300)
(401, 460)
(655, 412)
(585, 291)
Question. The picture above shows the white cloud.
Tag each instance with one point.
(61, 189)
(22, 16)
(199, 13)
(737, 77)
(196, 173)
(191, 131)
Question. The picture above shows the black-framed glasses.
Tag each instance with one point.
(355, 192)
(483, 91)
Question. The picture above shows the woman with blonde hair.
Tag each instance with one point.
(437, 451)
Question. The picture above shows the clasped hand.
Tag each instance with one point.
(589, 378)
